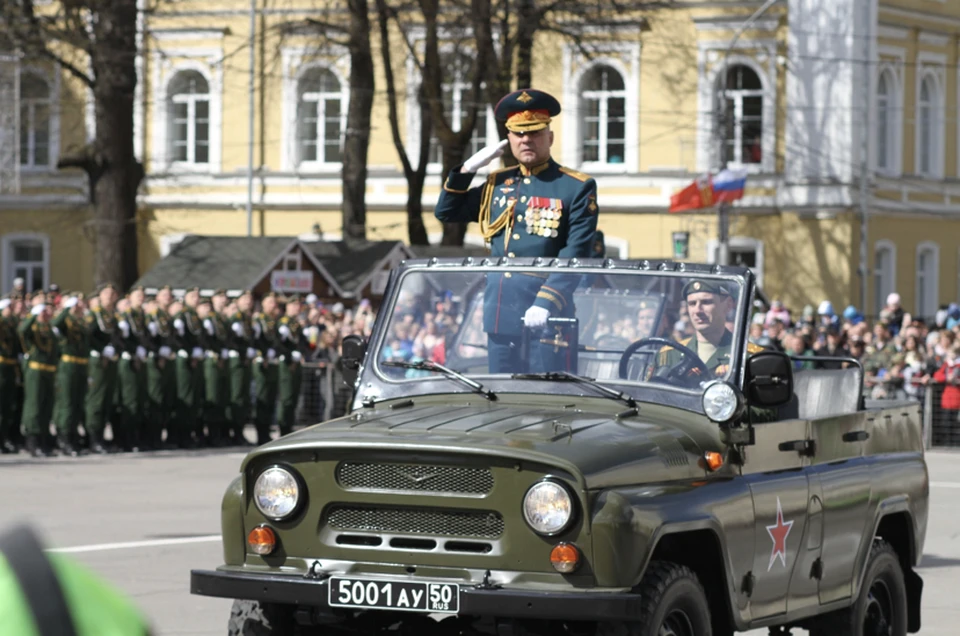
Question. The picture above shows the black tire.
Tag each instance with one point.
(881, 606)
(251, 618)
(674, 604)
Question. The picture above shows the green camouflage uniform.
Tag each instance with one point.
(71, 383)
(161, 366)
(10, 349)
(39, 343)
(216, 381)
(132, 377)
(265, 374)
(101, 373)
(290, 338)
(240, 372)
(190, 356)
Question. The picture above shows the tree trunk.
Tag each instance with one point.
(526, 28)
(357, 136)
(115, 172)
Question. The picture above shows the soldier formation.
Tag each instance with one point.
(162, 372)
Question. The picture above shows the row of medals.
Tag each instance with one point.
(543, 222)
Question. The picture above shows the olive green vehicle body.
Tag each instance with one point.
(642, 492)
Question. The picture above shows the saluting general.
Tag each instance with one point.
(537, 208)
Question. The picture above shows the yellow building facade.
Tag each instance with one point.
(801, 100)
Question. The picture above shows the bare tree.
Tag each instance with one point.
(416, 231)
(96, 42)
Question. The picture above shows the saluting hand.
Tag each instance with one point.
(485, 156)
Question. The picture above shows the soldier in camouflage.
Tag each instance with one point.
(161, 370)
(242, 355)
(265, 370)
(189, 329)
(292, 343)
(105, 345)
(10, 350)
(39, 342)
(71, 382)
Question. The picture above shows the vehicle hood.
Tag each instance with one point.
(588, 439)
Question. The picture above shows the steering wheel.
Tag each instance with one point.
(690, 360)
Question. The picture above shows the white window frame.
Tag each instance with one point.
(52, 81)
(204, 61)
(603, 97)
(884, 133)
(458, 89)
(934, 73)
(623, 57)
(882, 287)
(892, 69)
(292, 261)
(934, 286)
(739, 243)
(191, 100)
(737, 96)
(7, 244)
(713, 64)
(320, 105)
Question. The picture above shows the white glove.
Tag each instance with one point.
(296, 355)
(256, 330)
(38, 309)
(485, 156)
(284, 331)
(197, 353)
(153, 329)
(109, 351)
(178, 325)
(237, 329)
(125, 328)
(56, 331)
(271, 354)
(224, 353)
(251, 353)
(164, 351)
(208, 325)
(142, 352)
(536, 317)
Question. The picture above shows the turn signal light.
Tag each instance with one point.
(565, 557)
(712, 460)
(262, 540)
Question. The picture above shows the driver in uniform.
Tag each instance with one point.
(708, 303)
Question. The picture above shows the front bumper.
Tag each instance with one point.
(474, 601)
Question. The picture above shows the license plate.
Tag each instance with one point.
(404, 596)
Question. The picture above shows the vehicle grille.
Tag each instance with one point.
(487, 525)
(415, 478)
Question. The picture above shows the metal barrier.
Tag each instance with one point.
(323, 394)
(941, 425)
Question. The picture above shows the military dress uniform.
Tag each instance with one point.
(10, 349)
(190, 355)
(265, 374)
(39, 342)
(242, 354)
(161, 390)
(132, 376)
(105, 346)
(216, 381)
(71, 382)
(545, 210)
(290, 375)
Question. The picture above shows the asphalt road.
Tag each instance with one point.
(143, 521)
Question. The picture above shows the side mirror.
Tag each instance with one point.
(354, 349)
(769, 379)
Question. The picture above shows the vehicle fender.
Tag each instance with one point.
(231, 523)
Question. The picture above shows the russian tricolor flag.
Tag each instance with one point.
(728, 185)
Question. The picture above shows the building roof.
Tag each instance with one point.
(211, 262)
(350, 263)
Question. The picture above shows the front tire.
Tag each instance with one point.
(674, 604)
(252, 618)
(881, 606)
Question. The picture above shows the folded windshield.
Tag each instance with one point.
(617, 327)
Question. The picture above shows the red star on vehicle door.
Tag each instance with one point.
(778, 533)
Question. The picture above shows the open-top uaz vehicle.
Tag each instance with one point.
(603, 499)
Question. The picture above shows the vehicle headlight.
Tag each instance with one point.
(548, 507)
(721, 401)
(276, 493)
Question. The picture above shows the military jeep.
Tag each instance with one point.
(603, 498)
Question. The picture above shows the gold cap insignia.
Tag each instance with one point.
(696, 285)
(524, 98)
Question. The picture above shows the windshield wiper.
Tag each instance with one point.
(436, 367)
(566, 376)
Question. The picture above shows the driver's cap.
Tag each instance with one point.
(705, 285)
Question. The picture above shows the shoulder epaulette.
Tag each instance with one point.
(576, 174)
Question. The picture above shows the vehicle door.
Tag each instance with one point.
(776, 469)
(843, 474)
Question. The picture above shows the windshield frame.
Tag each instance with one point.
(372, 374)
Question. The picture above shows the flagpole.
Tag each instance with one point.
(723, 229)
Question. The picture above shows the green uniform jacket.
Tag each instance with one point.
(719, 362)
(103, 330)
(72, 335)
(189, 329)
(161, 334)
(265, 335)
(10, 346)
(137, 335)
(294, 341)
(240, 341)
(215, 334)
(39, 342)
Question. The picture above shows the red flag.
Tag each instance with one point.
(698, 194)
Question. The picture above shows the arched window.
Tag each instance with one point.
(928, 133)
(885, 120)
(742, 117)
(884, 273)
(320, 117)
(26, 256)
(603, 104)
(34, 121)
(189, 116)
(457, 69)
(928, 279)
